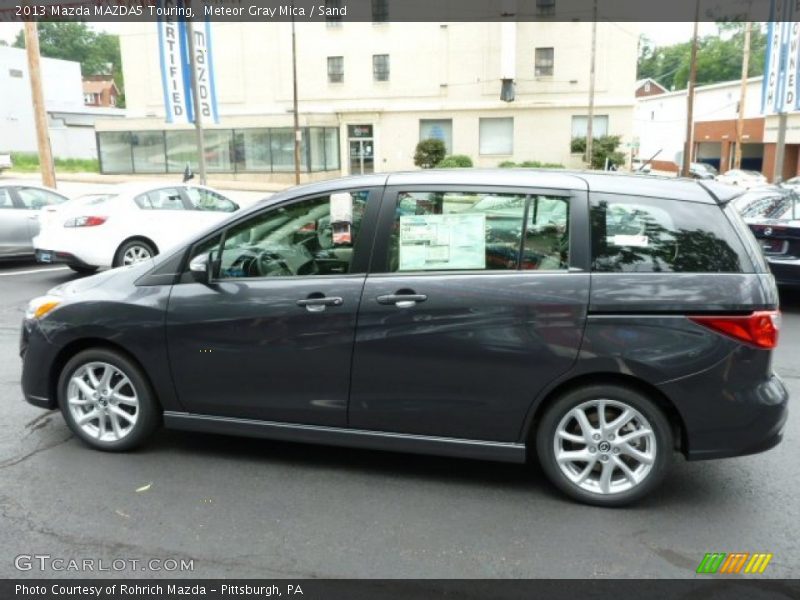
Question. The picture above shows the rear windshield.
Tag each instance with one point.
(651, 235)
(774, 206)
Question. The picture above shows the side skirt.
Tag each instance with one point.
(352, 438)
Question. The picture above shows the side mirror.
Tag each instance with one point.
(201, 268)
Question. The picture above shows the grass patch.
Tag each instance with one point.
(28, 162)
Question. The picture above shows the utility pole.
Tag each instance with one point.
(297, 133)
(737, 157)
(687, 147)
(198, 117)
(39, 111)
(590, 120)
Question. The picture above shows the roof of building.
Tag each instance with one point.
(95, 85)
(641, 82)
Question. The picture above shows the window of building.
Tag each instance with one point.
(115, 151)
(380, 11)
(543, 62)
(646, 86)
(651, 235)
(149, 151)
(296, 240)
(437, 129)
(380, 67)
(545, 8)
(335, 69)
(496, 136)
(15, 73)
(335, 18)
(580, 124)
(448, 231)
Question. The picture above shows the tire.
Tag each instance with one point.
(133, 247)
(100, 432)
(559, 431)
(83, 270)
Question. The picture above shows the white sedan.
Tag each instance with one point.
(742, 178)
(126, 224)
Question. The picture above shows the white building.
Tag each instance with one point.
(368, 92)
(71, 124)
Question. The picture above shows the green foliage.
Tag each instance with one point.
(602, 147)
(530, 164)
(28, 162)
(719, 57)
(455, 161)
(97, 51)
(429, 153)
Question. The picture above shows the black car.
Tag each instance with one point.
(597, 321)
(774, 217)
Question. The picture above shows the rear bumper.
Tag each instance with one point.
(56, 257)
(786, 272)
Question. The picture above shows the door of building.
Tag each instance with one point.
(361, 149)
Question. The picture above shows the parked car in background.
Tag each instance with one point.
(742, 178)
(20, 207)
(126, 224)
(699, 170)
(773, 215)
(5, 161)
(597, 321)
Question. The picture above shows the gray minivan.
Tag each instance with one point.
(600, 322)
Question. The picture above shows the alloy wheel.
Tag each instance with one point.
(102, 401)
(135, 254)
(605, 446)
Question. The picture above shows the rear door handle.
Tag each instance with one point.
(402, 300)
(319, 304)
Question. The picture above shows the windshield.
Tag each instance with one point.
(772, 206)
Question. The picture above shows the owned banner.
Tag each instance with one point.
(174, 56)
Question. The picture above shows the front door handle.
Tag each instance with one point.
(402, 300)
(319, 304)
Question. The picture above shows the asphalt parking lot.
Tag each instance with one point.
(251, 508)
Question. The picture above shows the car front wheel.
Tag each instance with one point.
(106, 400)
(605, 445)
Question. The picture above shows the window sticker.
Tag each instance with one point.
(442, 242)
(636, 241)
(341, 208)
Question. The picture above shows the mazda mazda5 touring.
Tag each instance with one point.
(599, 322)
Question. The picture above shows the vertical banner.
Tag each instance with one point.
(173, 47)
(780, 89)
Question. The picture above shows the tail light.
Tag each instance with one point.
(85, 221)
(759, 329)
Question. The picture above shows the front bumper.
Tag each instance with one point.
(38, 359)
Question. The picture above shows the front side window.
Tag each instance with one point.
(444, 231)
(163, 199)
(335, 69)
(380, 67)
(652, 235)
(35, 198)
(310, 237)
(544, 61)
(203, 199)
(497, 136)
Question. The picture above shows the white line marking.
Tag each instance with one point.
(34, 271)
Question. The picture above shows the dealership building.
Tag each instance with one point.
(369, 92)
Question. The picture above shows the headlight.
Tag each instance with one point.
(39, 307)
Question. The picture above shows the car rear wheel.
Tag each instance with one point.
(106, 400)
(132, 252)
(604, 445)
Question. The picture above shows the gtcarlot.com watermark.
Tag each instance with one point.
(49, 563)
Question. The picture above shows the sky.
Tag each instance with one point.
(662, 34)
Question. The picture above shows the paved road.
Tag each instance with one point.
(249, 508)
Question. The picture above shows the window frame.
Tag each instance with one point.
(579, 245)
(332, 74)
(361, 249)
(375, 70)
(552, 61)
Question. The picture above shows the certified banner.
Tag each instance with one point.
(173, 47)
(780, 91)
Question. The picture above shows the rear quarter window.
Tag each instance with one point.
(653, 235)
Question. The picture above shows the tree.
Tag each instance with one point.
(97, 52)
(603, 147)
(429, 153)
(455, 161)
(719, 57)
